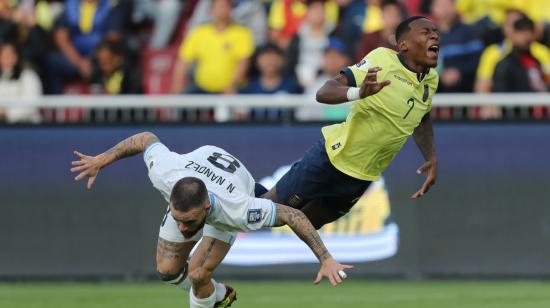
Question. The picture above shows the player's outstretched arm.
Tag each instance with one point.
(337, 91)
(89, 166)
(299, 223)
(424, 137)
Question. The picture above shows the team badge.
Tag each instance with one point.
(254, 216)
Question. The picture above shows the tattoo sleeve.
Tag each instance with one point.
(130, 146)
(424, 137)
(168, 250)
(301, 225)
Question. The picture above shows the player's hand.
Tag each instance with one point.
(87, 166)
(430, 168)
(333, 271)
(370, 86)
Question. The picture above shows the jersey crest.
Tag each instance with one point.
(254, 216)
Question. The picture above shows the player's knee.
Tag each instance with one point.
(200, 275)
(176, 277)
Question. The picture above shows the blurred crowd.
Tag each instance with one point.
(257, 47)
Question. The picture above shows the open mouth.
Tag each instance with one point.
(433, 51)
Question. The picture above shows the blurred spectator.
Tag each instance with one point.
(19, 25)
(114, 75)
(8, 28)
(81, 27)
(460, 49)
(305, 52)
(286, 16)
(520, 70)
(165, 15)
(373, 16)
(494, 53)
(248, 13)
(336, 57)
(220, 51)
(270, 64)
(17, 81)
(392, 14)
(350, 21)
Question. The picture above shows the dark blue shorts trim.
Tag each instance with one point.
(314, 177)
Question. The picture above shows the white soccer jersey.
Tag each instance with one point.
(230, 186)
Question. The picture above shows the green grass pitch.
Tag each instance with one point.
(358, 293)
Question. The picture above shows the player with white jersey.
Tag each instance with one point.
(211, 197)
(230, 189)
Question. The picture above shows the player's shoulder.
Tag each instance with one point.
(383, 54)
(380, 56)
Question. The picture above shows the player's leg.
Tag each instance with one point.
(306, 180)
(172, 262)
(205, 291)
(172, 253)
(326, 210)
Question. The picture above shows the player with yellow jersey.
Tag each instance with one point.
(335, 172)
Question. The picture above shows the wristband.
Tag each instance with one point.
(353, 94)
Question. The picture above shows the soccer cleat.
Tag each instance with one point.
(230, 297)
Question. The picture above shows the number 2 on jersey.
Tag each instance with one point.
(410, 102)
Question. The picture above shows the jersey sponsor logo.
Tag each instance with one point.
(403, 79)
(254, 216)
(151, 165)
(336, 146)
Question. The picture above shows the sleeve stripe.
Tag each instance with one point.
(349, 76)
(149, 148)
(273, 214)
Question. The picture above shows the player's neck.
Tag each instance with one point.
(411, 65)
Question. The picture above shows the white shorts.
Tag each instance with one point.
(169, 231)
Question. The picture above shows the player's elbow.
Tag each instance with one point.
(149, 135)
(148, 138)
(321, 95)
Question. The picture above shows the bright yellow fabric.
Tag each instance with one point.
(87, 14)
(539, 10)
(496, 52)
(276, 19)
(473, 10)
(216, 54)
(373, 19)
(378, 126)
(114, 84)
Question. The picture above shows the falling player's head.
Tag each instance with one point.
(189, 205)
(418, 41)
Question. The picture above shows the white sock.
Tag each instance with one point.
(220, 290)
(195, 302)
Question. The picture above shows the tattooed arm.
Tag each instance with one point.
(299, 223)
(424, 137)
(90, 165)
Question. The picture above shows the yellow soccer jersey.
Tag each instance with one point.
(377, 126)
(217, 54)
